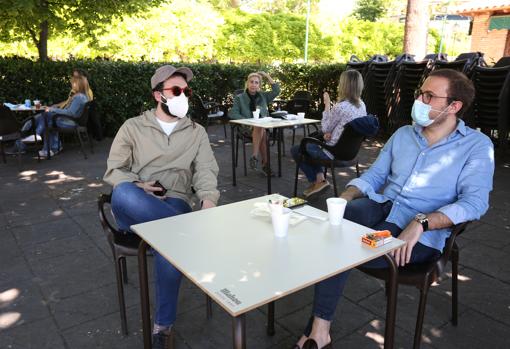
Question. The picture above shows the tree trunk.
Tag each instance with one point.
(416, 28)
(42, 44)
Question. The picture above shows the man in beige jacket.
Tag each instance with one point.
(156, 161)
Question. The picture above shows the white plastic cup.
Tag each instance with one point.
(256, 114)
(336, 209)
(280, 222)
(301, 116)
(28, 103)
(37, 104)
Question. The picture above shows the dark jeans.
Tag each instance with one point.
(132, 205)
(371, 214)
(313, 151)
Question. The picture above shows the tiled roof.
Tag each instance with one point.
(479, 6)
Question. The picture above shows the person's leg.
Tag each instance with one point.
(307, 169)
(263, 146)
(256, 135)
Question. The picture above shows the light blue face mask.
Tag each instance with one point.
(420, 113)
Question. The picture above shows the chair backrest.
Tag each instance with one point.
(94, 122)
(238, 92)
(503, 62)
(8, 122)
(84, 117)
(353, 136)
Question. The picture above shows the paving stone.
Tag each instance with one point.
(473, 331)
(480, 292)
(91, 305)
(361, 285)
(199, 332)
(348, 318)
(437, 311)
(72, 274)
(41, 334)
(105, 333)
(32, 213)
(57, 247)
(492, 236)
(8, 247)
(496, 217)
(23, 300)
(488, 260)
(15, 269)
(61, 228)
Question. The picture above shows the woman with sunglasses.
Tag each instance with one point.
(155, 161)
(251, 100)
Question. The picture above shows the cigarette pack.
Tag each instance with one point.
(377, 238)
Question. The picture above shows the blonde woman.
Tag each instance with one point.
(248, 102)
(348, 107)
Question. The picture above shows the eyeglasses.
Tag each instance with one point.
(427, 96)
(176, 90)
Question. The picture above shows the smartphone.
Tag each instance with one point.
(293, 202)
(161, 192)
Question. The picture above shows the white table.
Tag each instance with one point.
(267, 125)
(235, 259)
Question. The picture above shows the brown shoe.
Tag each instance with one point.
(316, 188)
(163, 340)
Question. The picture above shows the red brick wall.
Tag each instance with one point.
(492, 43)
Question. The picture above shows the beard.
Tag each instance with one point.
(165, 109)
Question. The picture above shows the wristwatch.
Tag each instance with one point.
(423, 220)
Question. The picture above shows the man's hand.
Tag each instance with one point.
(351, 193)
(149, 188)
(327, 136)
(207, 204)
(410, 235)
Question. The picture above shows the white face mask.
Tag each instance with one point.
(178, 105)
(420, 113)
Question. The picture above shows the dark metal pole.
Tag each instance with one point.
(144, 294)
(270, 319)
(232, 134)
(391, 306)
(268, 161)
(239, 331)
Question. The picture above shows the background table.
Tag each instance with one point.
(267, 125)
(235, 259)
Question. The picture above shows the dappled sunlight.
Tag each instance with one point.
(61, 177)
(8, 296)
(27, 175)
(377, 337)
(257, 274)
(423, 179)
(95, 185)
(9, 319)
(57, 213)
(208, 277)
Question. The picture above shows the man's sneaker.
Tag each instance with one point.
(316, 188)
(267, 171)
(162, 340)
(14, 150)
(44, 154)
(254, 163)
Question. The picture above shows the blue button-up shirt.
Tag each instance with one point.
(453, 176)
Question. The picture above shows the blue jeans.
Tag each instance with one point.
(371, 214)
(40, 127)
(313, 151)
(132, 205)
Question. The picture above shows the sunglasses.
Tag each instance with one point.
(176, 90)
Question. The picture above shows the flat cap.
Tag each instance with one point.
(166, 71)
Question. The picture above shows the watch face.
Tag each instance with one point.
(421, 216)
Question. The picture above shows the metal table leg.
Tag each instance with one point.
(144, 294)
(270, 319)
(239, 331)
(391, 306)
(268, 160)
(232, 138)
(279, 135)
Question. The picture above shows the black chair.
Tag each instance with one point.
(123, 245)
(300, 103)
(423, 275)
(345, 151)
(205, 112)
(79, 129)
(10, 131)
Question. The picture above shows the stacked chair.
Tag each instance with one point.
(491, 107)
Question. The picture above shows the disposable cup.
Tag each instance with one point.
(28, 103)
(301, 115)
(256, 114)
(280, 222)
(37, 104)
(336, 208)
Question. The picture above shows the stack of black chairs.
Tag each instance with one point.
(400, 93)
(491, 107)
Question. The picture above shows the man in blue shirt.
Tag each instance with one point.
(427, 178)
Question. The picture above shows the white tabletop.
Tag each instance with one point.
(273, 122)
(234, 257)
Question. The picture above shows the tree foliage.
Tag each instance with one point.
(370, 10)
(39, 20)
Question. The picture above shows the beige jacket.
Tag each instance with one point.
(142, 151)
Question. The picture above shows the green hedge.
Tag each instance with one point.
(122, 89)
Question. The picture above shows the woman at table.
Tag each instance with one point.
(78, 74)
(348, 107)
(244, 106)
(73, 109)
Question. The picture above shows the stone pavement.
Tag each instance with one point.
(57, 281)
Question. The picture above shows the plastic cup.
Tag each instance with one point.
(336, 209)
(280, 222)
(37, 104)
(301, 116)
(28, 103)
(256, 114)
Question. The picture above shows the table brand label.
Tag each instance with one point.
(227, 293)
